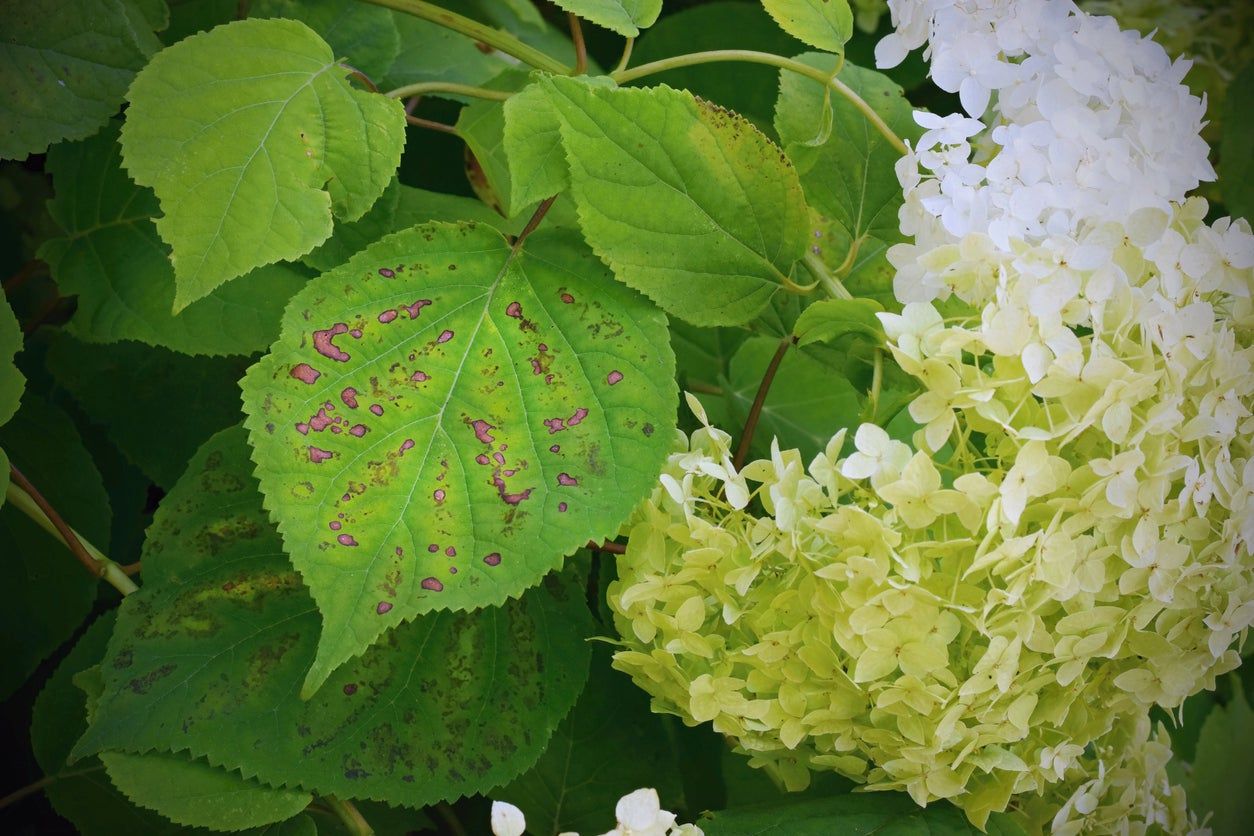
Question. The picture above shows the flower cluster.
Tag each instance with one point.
(988, 614)
(638, 813)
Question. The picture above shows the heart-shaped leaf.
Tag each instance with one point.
(444, 418)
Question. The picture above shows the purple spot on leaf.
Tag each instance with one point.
(302, 428)
(335, 525)
(433, 548)
(420, 377)
(414, 309)
(566, 480)
(493, 559)
(317, 455)
(407, 444)
(386, 273)
(555, 448)
(555, 425)
(305, 373)
(439, 495)
(432, 584)
(387, 316)
(614, 377)
(358, 430)
(324, 342)
(346, 540)
(349, 397)
(481, 458)
(567, 298)
(350, 689)
(579, 415)
(445, 336)
(376, 409)
(561, 507)
(514, 309)
(451, 552)
(481, 429)
(383, 606)
(355, 333)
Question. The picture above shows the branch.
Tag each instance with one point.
(755, 411)
(24, 496)
(351, 817)
(424, 87)
(430, 124)
(495, 38)
(752, 57)
(581, 49)
(607, 546)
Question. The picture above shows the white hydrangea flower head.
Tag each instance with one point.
(970, 626)
(639, 813)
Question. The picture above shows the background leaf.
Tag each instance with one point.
(67, 64)
(1221, 783)
(686, 202)
(363, 34)
(1236, 163)
(444, 413)
(231, 130)
(172, 402)
(809, 401)
(112, 258)
(829, 319)
(849, 178)
(826, 24)
(610, 745)
(50, 593)
(12, 381)
(208, 658)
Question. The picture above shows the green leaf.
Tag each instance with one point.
(533, 146)
(825, 24)
(233, 131)
(66, 66)
(1222, 783)
(194, 794)
(626, 17)
(12, 381)
(828, 319)
(208, 658)
(855, 814)
(399, 208)
(610, 745)
(50, 592)
(172, 402)
(687, 202)
(438, 405)
(808, 402)
(1236, 163)
(365, 35)
(112, 258)
(482, 125)
(849, 178)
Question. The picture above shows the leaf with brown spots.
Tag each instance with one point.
(209, 656)
(443, 420)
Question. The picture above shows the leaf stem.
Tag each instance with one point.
(430, 124)
(623, 61)
(877, 382)
(753, 57)
(495, 38)
(581, 49)
(536, 217)
(701, 387)
(755, 411)
(606, 546)
(46, 781)
(349, 815)
(24, 496)
(424, 87)
(830, 283)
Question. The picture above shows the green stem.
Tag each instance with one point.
(495, 38)
(47, 780)
(830, 283)
(424, 87)
(877, 382)
(626, 57)
(445, 811)
(752, 57)
(349, 815)
(22, 495)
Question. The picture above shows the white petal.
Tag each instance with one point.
(507, 820)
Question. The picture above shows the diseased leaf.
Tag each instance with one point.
(829, 319)
(208, 658)
(172, 402)
(626, 17)
(826, 24)
(853, 814)
(609, 745)
(363, 34)
(1222, 784)
(50, 593)
(399, 208)
(195, 794)
(686, 202)
(849, 178)
(12, 381)
(457, 416)
(84, 793)
(112, 258)
(64, 68)
(807, 404)
(251, 137)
